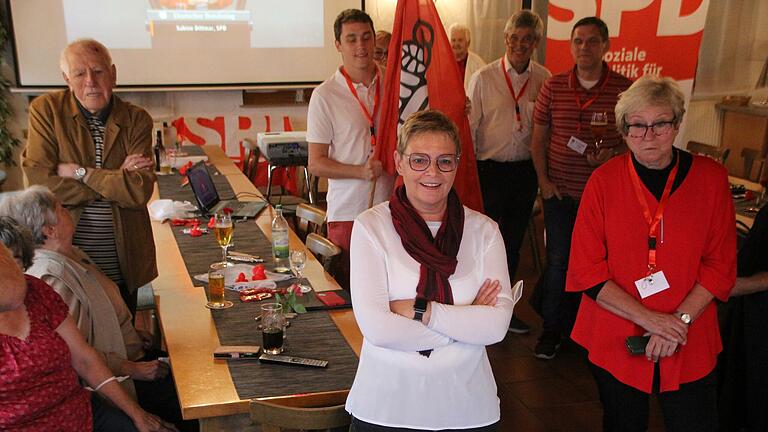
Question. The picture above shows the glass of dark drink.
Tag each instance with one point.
(272, 325)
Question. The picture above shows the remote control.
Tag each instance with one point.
(291, 360)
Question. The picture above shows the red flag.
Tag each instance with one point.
(422, 73)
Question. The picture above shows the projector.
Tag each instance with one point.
(284, 148)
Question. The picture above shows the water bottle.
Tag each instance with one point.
(280, 250)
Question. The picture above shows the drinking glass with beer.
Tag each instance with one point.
(223, 229)
(216, 287)
(598, 124)
(272, 325)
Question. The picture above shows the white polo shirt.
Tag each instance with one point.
(336, 118)
(496, 133)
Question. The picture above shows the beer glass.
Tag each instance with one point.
(598, 125)
(223, 229)
(272, 326)
(216, 287)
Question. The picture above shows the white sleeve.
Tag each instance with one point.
(319, 124)
(476, 110)
(480, 325)
(369, 283)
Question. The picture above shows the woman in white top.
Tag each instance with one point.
(430, 289)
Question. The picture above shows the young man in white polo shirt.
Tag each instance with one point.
(341, 125)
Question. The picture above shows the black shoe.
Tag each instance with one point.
(516, 325)
(547, 347)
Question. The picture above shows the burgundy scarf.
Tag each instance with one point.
(437, 256)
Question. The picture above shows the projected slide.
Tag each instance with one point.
(183, 42)
(196, 24)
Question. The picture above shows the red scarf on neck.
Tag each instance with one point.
(437, 255)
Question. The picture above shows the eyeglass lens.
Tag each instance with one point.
(421, 161)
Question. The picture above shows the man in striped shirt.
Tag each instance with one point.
(565, 151)
(93, 151)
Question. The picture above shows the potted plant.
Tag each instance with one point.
(7, 141)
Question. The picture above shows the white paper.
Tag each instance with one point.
(577, 145)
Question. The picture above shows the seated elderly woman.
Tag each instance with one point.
(42, 353)
(94, 301)
(430, 289)
(654, 244)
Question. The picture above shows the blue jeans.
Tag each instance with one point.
(558, 309)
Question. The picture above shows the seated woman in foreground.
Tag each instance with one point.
(430, 289)
(41, 356)
(94, 301)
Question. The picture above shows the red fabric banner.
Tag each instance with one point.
(422, 73)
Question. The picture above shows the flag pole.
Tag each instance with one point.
(373, 193)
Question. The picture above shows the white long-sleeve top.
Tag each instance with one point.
(395, 386)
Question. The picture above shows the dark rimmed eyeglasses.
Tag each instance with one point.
(422, 161)
(638, 130)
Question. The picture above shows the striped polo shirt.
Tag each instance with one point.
(95, 232)
(557, 107)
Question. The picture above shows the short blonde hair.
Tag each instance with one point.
(84, 44)
(649, 91)
(427, 121)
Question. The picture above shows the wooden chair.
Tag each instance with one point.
(275, 418)
(752, 157)
(716, 153)
(251, 158)
(309, 219)
(324, 250)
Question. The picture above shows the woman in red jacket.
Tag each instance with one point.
(654, 244)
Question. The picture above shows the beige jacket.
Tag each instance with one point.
(58, 133)
(94, 303)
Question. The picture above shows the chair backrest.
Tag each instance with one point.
(753, 164)
(716, 153)
(310, 219)
(274, 418)
(324, 250)
(251, 159)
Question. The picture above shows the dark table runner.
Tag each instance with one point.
(742, 206)
(312, 335)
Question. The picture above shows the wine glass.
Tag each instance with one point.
(298, 260)
(598, 124)
(223, 229)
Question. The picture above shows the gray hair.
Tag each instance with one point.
(34, 208)
(427, 121)
(459, 27)
(525, 19)
(649, 91)
(84, 44)
(18, 240)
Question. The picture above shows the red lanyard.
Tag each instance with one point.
(572, 83)
(370, 117)
(653, 221)
(516, 97)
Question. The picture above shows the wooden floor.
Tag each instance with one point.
(546, 395)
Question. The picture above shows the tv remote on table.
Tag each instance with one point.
(291, 360)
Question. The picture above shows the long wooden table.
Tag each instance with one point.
(205, 387)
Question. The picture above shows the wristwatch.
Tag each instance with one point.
(684, 317)
(419, 307)
(79, 174)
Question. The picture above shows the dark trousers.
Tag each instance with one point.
(160, 398)
(558, 309)
(107, 418)
(130, 298)
(509, 189)
(693, 407)
(361, 426)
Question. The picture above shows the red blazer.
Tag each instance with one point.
(610, 242)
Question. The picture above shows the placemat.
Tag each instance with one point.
(312, 335)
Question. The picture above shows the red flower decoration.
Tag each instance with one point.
(212, 222)
(241, 278)
(227, 210)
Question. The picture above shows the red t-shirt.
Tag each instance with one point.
(39, 389)
(610, 242)
(556, 108)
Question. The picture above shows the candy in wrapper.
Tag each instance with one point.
(255, 297)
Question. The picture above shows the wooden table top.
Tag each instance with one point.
(204, 386)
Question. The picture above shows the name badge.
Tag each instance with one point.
(577, 145)
(652, 284)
